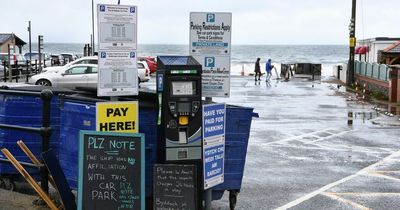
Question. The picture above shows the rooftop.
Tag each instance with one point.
(395, 48)
(4, 37)
(375, 39)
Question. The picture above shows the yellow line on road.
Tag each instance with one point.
(386, 171)
(376, 174)
(349, 202)
(369, 194)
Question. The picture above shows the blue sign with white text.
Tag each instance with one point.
(214, 161)
(214, 120)
(213, 144)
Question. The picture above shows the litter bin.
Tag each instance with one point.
(78, 112)
(238, 123)
(25, 110)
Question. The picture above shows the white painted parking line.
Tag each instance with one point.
(333, 184)
(343, 200)
(328, 137)
(322, 147)
(293, 138)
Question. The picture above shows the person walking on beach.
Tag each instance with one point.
(268, 69)
(257, 69)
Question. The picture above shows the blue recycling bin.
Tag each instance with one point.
(25, 110)
(237, 132)
(80, 114)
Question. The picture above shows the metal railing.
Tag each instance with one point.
(44, 131)
(372, 70)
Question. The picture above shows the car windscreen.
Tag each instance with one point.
(140, 66)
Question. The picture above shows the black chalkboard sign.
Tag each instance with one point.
(111, 171)
(174, 187)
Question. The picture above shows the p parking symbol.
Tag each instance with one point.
(209, 62)
(210, 18)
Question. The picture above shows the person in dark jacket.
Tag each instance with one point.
(257, 69)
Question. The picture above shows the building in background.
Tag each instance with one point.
(390, 55)
(11, 39)
(368, 50)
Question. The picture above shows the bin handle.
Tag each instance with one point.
(255, 114)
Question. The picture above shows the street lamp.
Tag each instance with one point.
(92, 28)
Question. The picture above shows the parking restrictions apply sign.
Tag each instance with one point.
(213, 144)
(210, 45)
(117, 116)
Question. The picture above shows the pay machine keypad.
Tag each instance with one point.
(175, 112)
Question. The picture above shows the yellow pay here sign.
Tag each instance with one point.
(117, 116)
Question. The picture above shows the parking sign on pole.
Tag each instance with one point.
(210, 45)
(117, 38)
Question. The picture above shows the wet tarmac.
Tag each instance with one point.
(303, 154)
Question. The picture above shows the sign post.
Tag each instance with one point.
(40, 45)
(111, 171)
(117, 38)
(210, 44)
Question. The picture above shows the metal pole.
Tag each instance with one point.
(9, 65)
(208, 199)
(91, 44)
(208, 192)
(40, 40)
(46, 96)
(30, 43)
(352, 43)
(93, 26)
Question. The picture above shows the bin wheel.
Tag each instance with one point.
(233, 198)
(7, 184)
(2, 184)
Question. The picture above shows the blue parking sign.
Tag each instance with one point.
(213, 144)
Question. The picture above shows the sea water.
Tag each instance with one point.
(243, 56)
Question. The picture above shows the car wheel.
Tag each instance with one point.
(43, 82)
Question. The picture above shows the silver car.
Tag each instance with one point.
(79, 75)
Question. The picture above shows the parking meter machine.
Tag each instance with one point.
(180, 117)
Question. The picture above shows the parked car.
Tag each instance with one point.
(18, 57)
(151, 62)
(46, 60)
(143, 71)
(56, 59)
(78, 75)
(83, 60)
(67, 57)
(18, 63)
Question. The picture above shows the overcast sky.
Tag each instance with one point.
(167, 21)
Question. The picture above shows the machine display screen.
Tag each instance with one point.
(184, 107)
(183, 88)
